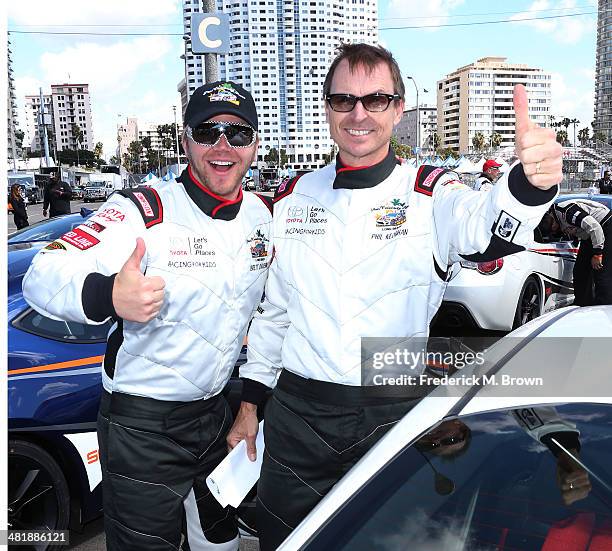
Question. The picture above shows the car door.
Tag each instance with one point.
(567, 251)
(482, 482)
(552, 258)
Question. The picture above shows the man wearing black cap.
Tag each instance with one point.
(180, 267)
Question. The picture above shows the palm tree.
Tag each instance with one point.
(77, 134)
(496, 140)
(434, 141)
(479, 141)
(584, 135)
(562, 137)
(574, 121)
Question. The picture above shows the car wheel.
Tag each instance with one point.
(529, 303)
(38, 495)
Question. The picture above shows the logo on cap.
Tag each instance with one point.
(224, 92)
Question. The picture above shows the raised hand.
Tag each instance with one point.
(537, 148)
(137, 297)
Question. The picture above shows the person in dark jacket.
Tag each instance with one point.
(17, 202)
(605, 183)
(57, 197)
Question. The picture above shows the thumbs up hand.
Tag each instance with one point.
(537, 148)
(137, 297)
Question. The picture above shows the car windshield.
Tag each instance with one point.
(483, 483)
(21, 180)
(47, 230)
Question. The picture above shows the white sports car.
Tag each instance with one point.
(489, 468)
(507, 293)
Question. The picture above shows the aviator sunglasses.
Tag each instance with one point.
(209, 133)
(374, 103)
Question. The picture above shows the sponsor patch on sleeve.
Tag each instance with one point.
(95, 226)
(79, 239)
(55, 246)
(146, 207)
(148, 202)
(505, 226)
(427, 177)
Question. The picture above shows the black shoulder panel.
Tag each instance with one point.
(426, 179)
(147, 202)
(285, 189)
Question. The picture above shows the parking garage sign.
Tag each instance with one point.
(210, 33)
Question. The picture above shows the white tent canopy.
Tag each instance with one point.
(149, 179)
(466, 166)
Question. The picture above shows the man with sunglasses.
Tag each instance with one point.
(363, 249)
(489, 175)
(180, 267)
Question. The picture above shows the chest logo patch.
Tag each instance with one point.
(258, 244)
(391, 215)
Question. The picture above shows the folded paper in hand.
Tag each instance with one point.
(234, 477)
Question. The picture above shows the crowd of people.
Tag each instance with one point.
(181, 268)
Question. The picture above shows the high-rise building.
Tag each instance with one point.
(13, 144)
(478, 98)
(406, 130)
(280, 52)
(71, 106)
(182, 90)
(602, 123)
(149, 130)
(32, 133)
(126, 134)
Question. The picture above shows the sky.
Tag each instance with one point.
(138, 75)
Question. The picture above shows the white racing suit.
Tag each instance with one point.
(163, 418)
(359, 252)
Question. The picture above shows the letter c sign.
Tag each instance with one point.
(210, 33)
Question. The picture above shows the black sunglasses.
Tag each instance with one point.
(209, 133)
(375, 103)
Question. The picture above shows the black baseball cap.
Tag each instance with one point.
(220, 98)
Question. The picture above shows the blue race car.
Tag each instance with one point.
(54, 386)
(51, 229)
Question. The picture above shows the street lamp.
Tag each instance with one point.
(418, 118)
(178, 160)
(119, 139)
